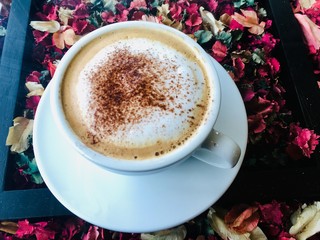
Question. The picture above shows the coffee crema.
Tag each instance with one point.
(136, 93)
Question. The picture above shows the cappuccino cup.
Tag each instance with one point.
(138, 97)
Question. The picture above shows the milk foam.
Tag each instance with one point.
(181, 82)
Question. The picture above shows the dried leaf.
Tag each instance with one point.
(8, 227)
(210, 22)
(19, 134)
(250, 20)
(178, 233)
(203, 36)
(46, 26)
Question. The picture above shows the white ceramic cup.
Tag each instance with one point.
(207, 144)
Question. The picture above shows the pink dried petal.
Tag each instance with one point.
(107, 17)
(194, 20)
(234, 25)
(193, 8)
(274, 65)
(310, 30)
(92, 234)
(175, 11)
(138, 4)
(24, 228)
(212, 5)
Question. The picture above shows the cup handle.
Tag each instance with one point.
(218, 150)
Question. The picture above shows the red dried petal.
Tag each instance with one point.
(271, 213)
(234, 25)
(194, 20)
(256, 123)
(40, 36)
(219, 51)
(81, 11)
(34, 77)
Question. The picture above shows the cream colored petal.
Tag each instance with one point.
(177, 25)
(58, 40)
(301, 218)
(257, 234)
(36, 92)
(178, 233)
(150, 19)
(46, 26)
(19, 133)
(216, 221)
(65, 14)
(311, 228)
(215, 26)
(69, 37)
(306, 3)
(163, 10)
(32, 86)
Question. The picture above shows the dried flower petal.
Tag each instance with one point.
(210, 22)
(8, 227)
(303, 216)
(250, 20)
(65, 14)
(310, 30)
(19, 134)
(306, 3)
(46, 26)
(178, 233)
(138, 4)
(219, 51)
(27, 229)
(216, 221)
(242, 218)
(35, 89)
(64, 37)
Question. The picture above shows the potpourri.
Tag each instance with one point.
(238, 34)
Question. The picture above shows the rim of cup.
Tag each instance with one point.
(127, 166)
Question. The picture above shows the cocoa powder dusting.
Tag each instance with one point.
(123, 88)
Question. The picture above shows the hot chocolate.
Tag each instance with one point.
(136, 94)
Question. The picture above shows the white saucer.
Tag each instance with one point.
(137, 203)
